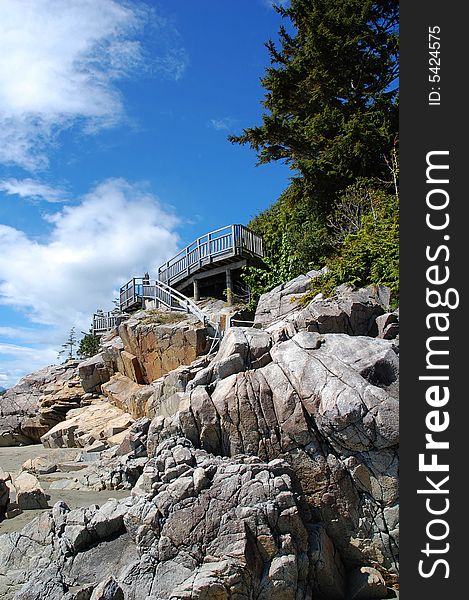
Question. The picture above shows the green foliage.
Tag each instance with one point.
(275, 271)
(368, 257)
(294, 240)
(89, 346)
(331, 114)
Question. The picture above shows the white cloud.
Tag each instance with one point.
(60, 61)
(116, 232)
(223, 124)
(34, 190)
(16, 361)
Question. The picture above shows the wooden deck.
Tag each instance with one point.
(221, 251)
(220, 247)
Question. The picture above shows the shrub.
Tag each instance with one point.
(368, 257)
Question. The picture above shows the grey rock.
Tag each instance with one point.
(366, 583)
(48, 585)
(20, 405)
(241, 348)
(282, 300)
(230, 507)
(135, 440)
(353, 312)
(108, 589)
(29, 493)
(167, 389)
(323, 405)
(268, 470)
(112, 473)
(93, 372)
(102, 559)
(388, 325)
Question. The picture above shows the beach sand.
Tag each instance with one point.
(11, 459)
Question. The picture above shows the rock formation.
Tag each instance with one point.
(85, 426)
(38, 402)
(266, 470)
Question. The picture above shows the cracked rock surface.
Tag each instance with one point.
(199, 524)
(266, 471)
(37, 402)
(326, 405)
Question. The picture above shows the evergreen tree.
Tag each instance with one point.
(89, 345)
(331, 99)
(69, 346)
(331, 114)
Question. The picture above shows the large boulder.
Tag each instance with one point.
(349, 311)
(84, 426)
(167, 389)
(160, 348)
(93, 372)
(47, 392)
(240, 349)
(207, 527)
(29, 493)
(128, 395)
(324, 405)
(282, 300)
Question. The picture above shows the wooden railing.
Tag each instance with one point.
(134, 290)
(103, 322)
(138, 289)
(232, 240)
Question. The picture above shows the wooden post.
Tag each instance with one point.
(229, 288)
(196, 291)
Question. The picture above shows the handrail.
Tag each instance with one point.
(139, 288)
(103, 322)
(162, 289)
(231, 240)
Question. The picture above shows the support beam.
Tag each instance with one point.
(208, 274)
(196, 291)
(229, 288)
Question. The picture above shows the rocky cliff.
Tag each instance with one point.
(39, 401)
(266, 470)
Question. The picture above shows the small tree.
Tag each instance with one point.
(89, 345)
(69, 346)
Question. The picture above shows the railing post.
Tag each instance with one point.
(233, 238)
(229, 288)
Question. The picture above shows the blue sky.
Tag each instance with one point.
(114, 116)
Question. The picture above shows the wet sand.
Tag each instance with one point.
(11, 459)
